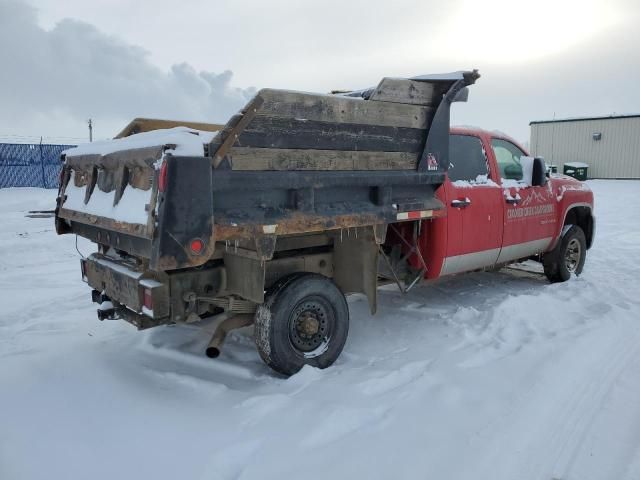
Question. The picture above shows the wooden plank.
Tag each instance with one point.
(401, 90)
(249, 113)
(295, 159)
(217, 140)
(287, 132)
(339, 109)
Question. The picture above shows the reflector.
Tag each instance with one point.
(197, 245)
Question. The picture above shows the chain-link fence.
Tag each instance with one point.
(30, 164)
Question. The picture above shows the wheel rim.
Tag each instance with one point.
(310, 326)
(572, 255)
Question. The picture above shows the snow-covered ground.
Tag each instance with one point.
(484, 376)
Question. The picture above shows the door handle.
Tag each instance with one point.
(460, 203)
(513, 201)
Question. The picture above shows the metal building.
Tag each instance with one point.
(609, 145)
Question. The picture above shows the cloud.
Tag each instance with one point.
(74, 71)
(597, 77)
(581, 59)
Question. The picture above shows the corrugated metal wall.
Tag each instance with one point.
(30, 165)
(616, 155)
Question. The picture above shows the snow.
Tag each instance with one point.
(576, 164)
(187, 141)
(130, 208)
(481, 376)
(574, 186)
(105, 306)
(480, 181)
(452, 76)
(511, 183)
(508, 196)
(150, 283)
(527, 169)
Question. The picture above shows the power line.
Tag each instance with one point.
(9, 135)
(33, 139)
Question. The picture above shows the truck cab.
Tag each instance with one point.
(501, 208)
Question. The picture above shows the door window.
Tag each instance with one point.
(467, 159)
(508, 158)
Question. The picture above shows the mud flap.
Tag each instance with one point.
(245, 275)
(355, 258)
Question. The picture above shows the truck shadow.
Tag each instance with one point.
(424, 312)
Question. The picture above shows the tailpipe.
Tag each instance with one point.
(215, 344)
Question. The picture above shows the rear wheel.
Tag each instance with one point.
(568, 257)
(304, 321)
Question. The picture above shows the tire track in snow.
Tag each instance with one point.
(394, 379)
(541, 439)
(580, 413)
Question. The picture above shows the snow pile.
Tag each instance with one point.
(131, 206)
(187, 141)
(480, 181)
(480, 376)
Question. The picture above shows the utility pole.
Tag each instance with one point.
(90, 130)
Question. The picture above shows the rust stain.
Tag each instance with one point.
(135, 229)
(297, 223)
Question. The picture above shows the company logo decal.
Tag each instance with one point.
(520, 212)
(533, 197)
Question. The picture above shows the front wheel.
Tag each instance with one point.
(567, 257)
(304, 321)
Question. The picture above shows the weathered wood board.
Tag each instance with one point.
(404, 91)
(289, 132)
(243, 158)
(303, 131)
(340, 109)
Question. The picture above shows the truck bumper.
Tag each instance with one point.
(135, 297)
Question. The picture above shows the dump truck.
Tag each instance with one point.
(299, 200)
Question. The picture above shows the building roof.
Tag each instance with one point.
(582, 119)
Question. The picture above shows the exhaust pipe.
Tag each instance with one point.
(228, 324)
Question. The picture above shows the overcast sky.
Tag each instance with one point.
(112, 60)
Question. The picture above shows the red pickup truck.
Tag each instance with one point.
(495, 216)
(301, 199)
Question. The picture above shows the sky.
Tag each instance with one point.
(201, 60)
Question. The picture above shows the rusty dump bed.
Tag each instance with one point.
(289, 163)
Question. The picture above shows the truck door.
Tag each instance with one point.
(474, 207)
(530, 212)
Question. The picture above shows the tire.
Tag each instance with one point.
(304, 321)
(567, 257)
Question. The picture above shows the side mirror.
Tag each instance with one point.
(534, 171)
(513, 172)
(539, 173)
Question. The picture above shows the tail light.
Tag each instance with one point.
(148, 299)
(83, 269)
(162, 177)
